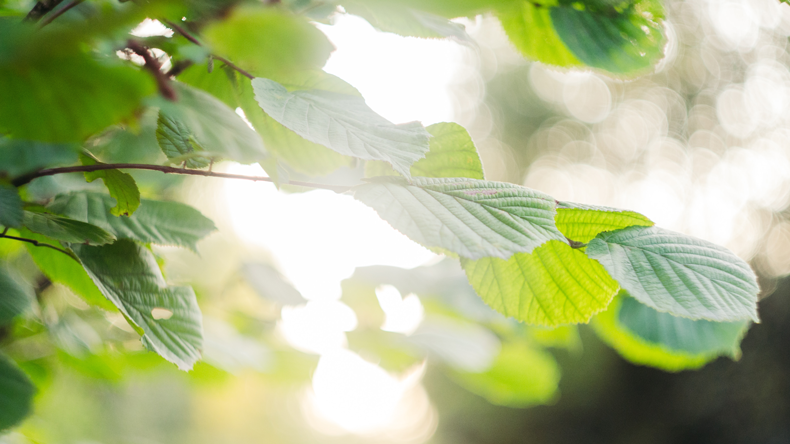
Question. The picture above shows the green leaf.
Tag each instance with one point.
(554, 285)
(66, 97)
(681, 334)
(66, 270)
(443, 8)
(344, 123)
(270, 284)
(121, 186)
(618, 39)
(19, 157)
(10, 206)
(157, 222)
(472, 218)
(176, 140)
(299, 153)
(640, 351)
(268, 42)
(65, 229)
(213, 125)
(15, 296)
(529, 27)
(521, 376)
(220, 83)
(128, 275)
(678, 274)
(16, 394)
(405, 21)
(581, 223)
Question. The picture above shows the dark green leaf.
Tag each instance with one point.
(16, 394)
(10, 206)
(157, 222)
(128, 275)
(554, 285)
(15, 296)
(19, 157)
(65, 229)
(529, 28)
(472, 218)
(121, 186)
(343, 123)
(176, 141)
(678, 274)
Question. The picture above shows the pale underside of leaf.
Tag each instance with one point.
(128, 275)
(678, 274)
(554, 285)
(472, 218)
(163, 223)
(581, 223)
(344, 123)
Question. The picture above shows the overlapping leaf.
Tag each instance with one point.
(176, 141)
(16, 393)
(270, 284)
(121, 186)
(65, 229)
(344, 123)
(18, 157)
(472, 218)
(15, 296)
(10, 206)
(554, 285)
(581, 223)
(163, 223)
(529, 28)
(389, 17)
(678, 274)
(128, 275)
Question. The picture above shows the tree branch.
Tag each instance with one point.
(41, 9)
(27, 178)
(194, 40)
(48, 19)
(38, 244)
(153, 65)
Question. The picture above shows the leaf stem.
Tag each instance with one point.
(41, 8)
(194, 40)
(27, 178)
(50, 18)
(36, 243)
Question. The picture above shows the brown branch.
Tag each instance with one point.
(152, 64)
(48, 19)
(38, 244)
(179, 67)
(27, 178)
(41, 9)
(194, 40)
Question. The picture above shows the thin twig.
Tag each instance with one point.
(194, 40)
(38, 244)
(40, 9)
(48, 19)
(152, 64)
(24, 179)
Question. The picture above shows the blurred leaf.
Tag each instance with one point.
(216, 127)
(529, 27)
(678, 274)
(473, 218)
(566, 336)
(10, 206)
(220, 83)
(681, 334)
(128, 275)
(343, 123)
(16, 394)
(389, 17)
(464, 346)
(444, 8)
(640, 351)
(19, 157)
(268, 42)
(270, 284)
(157, 222)
(15, 296)
(63, 269)
(227, 349)
(520, 377)
(554, 285)
(176, 140)
(581, 223)
(121, 186)
(617, 38)
(59, 94)
(129, 143)
(299, 153)
(65, 229)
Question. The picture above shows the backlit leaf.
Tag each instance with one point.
(176, 140)
(472, 218)
(121, 186)
(18, 157)
(554, 285)
(128, 275)
(529, 27)
(389, 17)
(581, 223)
(678, 274)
